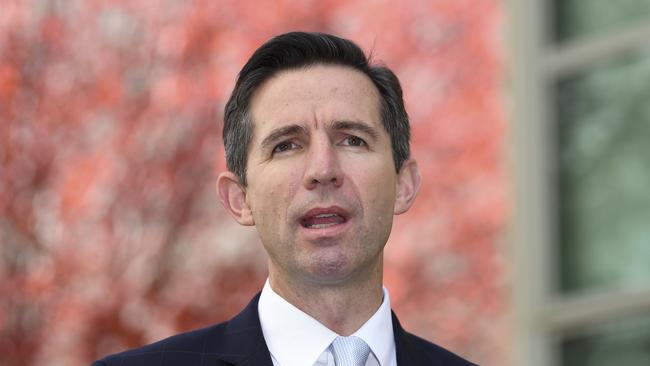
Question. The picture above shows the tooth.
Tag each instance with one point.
(320, 226)
(326, 215)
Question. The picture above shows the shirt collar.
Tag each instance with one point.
(377, 332)
(295, 338)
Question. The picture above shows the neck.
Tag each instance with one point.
(342, 307)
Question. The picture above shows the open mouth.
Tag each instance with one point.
(320, 218)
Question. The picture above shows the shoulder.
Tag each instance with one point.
(187, 346)
(225, 343)
(412, 349)
(432, 353)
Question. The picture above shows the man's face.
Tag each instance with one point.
(321, 178)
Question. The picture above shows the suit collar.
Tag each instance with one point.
(408, 353)
(243, 342)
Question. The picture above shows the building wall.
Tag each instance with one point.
(580, 214)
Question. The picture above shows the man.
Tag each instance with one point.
(317, 148)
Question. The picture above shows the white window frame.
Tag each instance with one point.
(541, 315)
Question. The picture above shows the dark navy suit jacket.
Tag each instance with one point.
(240, 342)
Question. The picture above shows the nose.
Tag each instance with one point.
(322, 166)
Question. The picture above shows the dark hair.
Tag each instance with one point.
(300, 49)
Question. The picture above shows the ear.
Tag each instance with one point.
(233, 197)
(408, 186)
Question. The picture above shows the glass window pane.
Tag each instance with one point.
(575, 18)
(604, 175)
(625, 342)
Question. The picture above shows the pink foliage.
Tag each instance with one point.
(110, 232)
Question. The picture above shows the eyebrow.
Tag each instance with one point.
(281, 132)
(356, 126)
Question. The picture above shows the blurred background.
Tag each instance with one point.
(529, 243)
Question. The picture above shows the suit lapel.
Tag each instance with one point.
(408, 354)
(243, 341)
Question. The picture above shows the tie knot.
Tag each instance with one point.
(350, 351)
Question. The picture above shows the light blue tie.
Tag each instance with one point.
(350, 351)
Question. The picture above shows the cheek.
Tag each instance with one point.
(379, 180)
(380, 191)
(276, 195)
(293, 186)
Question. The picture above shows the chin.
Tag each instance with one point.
(332, 271)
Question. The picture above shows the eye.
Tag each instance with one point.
(284, 146)
(354, 141)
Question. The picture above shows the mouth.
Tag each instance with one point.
(321, 218)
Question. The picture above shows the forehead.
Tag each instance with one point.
(314, 96)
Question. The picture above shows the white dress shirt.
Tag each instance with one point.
(296, 339)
